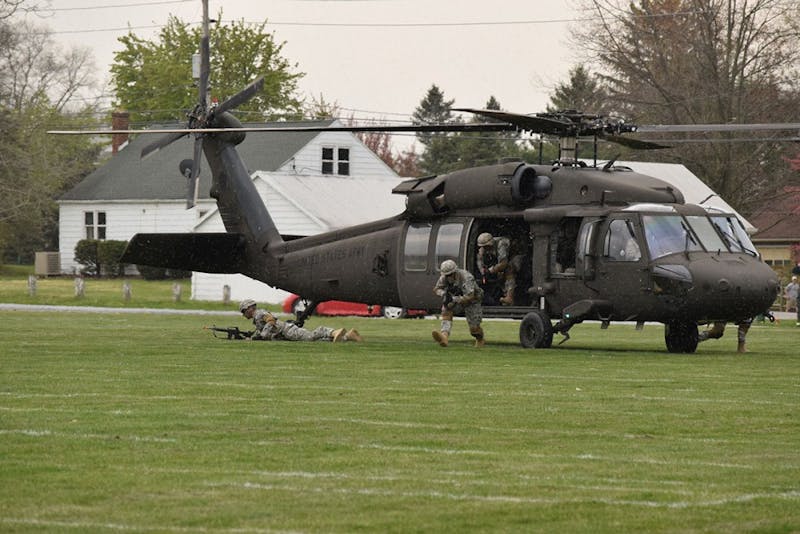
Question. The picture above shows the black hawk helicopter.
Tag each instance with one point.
(595, 243)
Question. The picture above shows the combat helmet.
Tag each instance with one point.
(246, 303)
(448, 267)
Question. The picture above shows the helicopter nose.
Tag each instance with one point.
(734, 289)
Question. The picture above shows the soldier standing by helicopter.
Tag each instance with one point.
(460, 294)
(494, 263)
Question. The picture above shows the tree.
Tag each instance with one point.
(583, 92)
(153, 79)
(441, 149)
(704, 61)
(485, 148)
(37, 85)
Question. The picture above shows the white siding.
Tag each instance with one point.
(123, 220)
(208, 286)
(363, 162)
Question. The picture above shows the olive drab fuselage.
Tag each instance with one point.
(593, 244)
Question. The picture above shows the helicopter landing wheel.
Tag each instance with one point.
(681, 337)
(536, 330)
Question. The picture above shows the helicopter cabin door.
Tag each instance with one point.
(425, 246)
(621, 264)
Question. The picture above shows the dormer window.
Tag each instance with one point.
(336, 161)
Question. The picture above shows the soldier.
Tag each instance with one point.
(270, 328)
(718, 328)
(494, 263)
(460, 295)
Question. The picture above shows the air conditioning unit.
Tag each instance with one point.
(47, 264)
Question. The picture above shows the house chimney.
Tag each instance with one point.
(120, 120)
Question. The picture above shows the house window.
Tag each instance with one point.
(336, 161)
(95, 224)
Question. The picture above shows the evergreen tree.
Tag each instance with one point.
(440, 149)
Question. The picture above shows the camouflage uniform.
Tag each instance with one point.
(269, 328)
(495, 260)
(718, 329)
(466, 300)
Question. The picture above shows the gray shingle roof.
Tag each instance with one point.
(128, 177)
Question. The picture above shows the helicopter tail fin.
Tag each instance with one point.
(210, 253)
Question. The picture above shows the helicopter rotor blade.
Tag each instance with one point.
(242, 96)
(535, 123)
(637, 144)
(193, 182)
(699, 128)
(158, 144)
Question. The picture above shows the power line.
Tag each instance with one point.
(86, 8)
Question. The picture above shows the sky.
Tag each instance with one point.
(374, 58)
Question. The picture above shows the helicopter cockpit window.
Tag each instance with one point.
(705, 231)
(415, 253)
(668, 234)
(620, 243)
(448, 242)
(734, 234)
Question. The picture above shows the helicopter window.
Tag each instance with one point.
(565, 243)
(620, 243)
(705, 231)
(734, 234)
(668, 234)
(415, 254)
(448, 242)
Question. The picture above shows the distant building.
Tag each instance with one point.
(778, 223)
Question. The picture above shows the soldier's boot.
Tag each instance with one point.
(741, 348)
(477, 333)
(338, 335)
(507, 299)
(353, 335)
(441, 338)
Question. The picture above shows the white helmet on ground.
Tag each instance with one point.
(246, 303)
(448, 267)
(485, 239)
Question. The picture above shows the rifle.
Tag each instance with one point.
(232, 332)
(449, 293)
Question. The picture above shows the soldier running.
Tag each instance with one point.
(460, 295)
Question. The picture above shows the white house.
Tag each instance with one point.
(128, 195)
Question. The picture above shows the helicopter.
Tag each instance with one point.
(600, 243)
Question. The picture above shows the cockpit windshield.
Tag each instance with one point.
(668, 234)
(671, 234)
(734, 234)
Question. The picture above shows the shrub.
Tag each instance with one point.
(86, 255)
(109, 254)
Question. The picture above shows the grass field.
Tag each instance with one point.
(146, 423)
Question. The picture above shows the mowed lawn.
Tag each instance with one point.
(147, 423)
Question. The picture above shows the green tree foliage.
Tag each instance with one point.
(153, 78)
(447, 152)
(440, 149)
(584, 92)
(37, 83)
(704, 61)
(485, 148)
